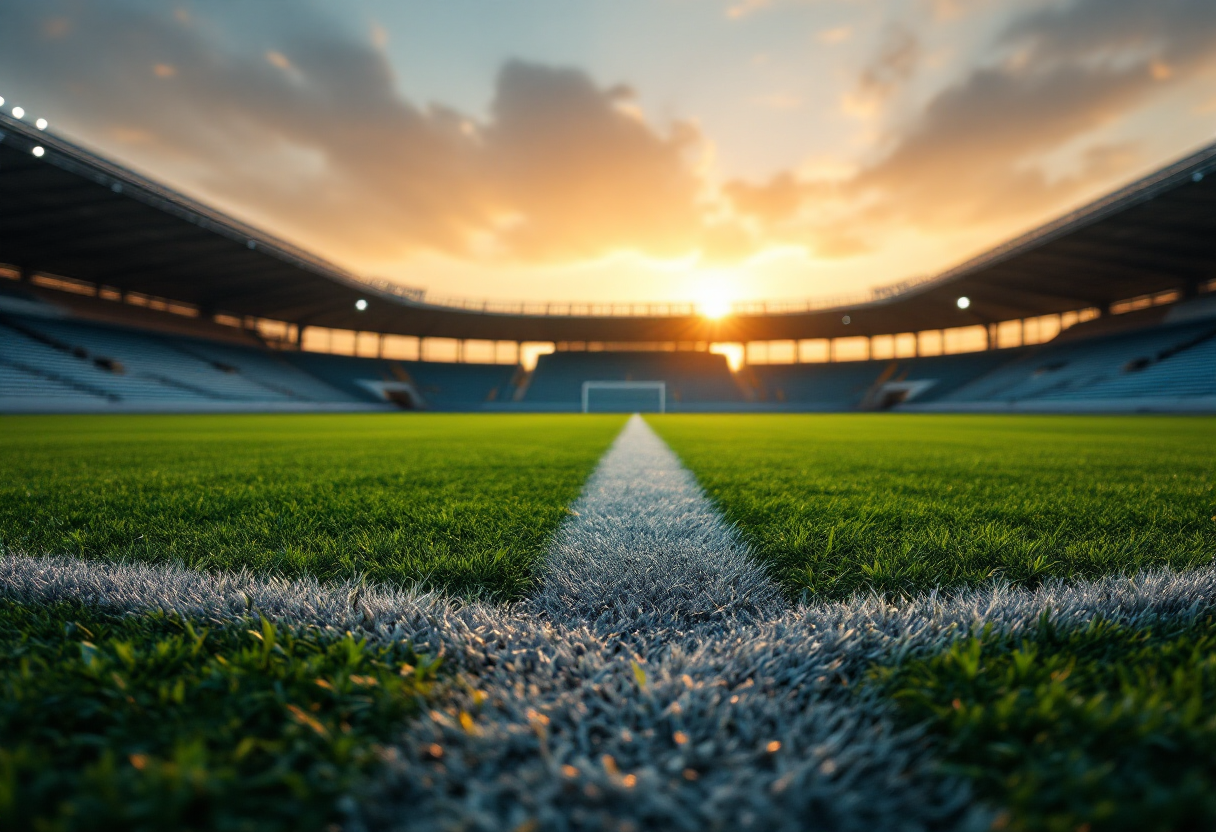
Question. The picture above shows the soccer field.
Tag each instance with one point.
(464, 503)
(902, 504)
(223, 636)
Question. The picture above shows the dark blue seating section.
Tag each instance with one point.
(1166, 361)
(126, 365)
(856, 384)
(60, 360)
(70, 363)
(691, 377)
(439, 386)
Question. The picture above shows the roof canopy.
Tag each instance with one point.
(72, 213)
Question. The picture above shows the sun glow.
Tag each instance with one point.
(715, 308)
(715, 296)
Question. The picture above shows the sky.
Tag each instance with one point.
(627, 150)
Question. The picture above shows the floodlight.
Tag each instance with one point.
(846, 320)
(18, 112)
(38, 151)
(360, 304)
(963, 302)
(40, 124)
(1, 100)
(1196, 177)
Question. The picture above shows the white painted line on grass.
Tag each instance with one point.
(565, 696)
(644, 545)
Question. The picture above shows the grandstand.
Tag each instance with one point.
(120, 295)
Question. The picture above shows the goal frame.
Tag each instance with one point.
(661, 386)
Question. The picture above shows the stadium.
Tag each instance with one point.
(123, 296)
(285, 547)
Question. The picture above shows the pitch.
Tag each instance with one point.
(465, 503)
(899, 505)
(937, 622)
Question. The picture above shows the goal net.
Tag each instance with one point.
(624, 396)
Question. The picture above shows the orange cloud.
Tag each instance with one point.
(833, 36)
(562, 168)
(975, 155)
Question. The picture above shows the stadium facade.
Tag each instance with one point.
(118, 294)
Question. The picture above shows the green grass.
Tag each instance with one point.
(1106, 728)
(900, 504)
(152, 722)
(465, 503)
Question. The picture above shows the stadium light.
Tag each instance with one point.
(963, 302)
(846, 320)
(40, 124)
(1, 100)
(361, 304)
(18, 112)
(38, 151)
(1196, 177)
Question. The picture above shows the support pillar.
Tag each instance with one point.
(380, 345)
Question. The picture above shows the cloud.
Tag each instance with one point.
(743, 8)
(977, 149)
(984, 150)
(583, 168)
(774, 202)
(300, 124)
(305, 125)
(839, 34)
(893, 66)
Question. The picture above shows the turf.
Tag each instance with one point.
(464, 503)
(155, 722)
(1106, 727)
(901, 504)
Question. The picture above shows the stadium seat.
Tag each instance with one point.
(691, 377)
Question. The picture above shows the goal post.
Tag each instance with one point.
(625, 395)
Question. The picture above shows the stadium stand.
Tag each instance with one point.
(691, 377)
(871, 385)
(411, 384)
(127, 365)
(49, 361)
(1165, 361)
(85, 363)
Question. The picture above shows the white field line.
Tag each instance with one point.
(644, 541)
(561, 695)
(634, 692)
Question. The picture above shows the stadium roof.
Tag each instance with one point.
(72, 213)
